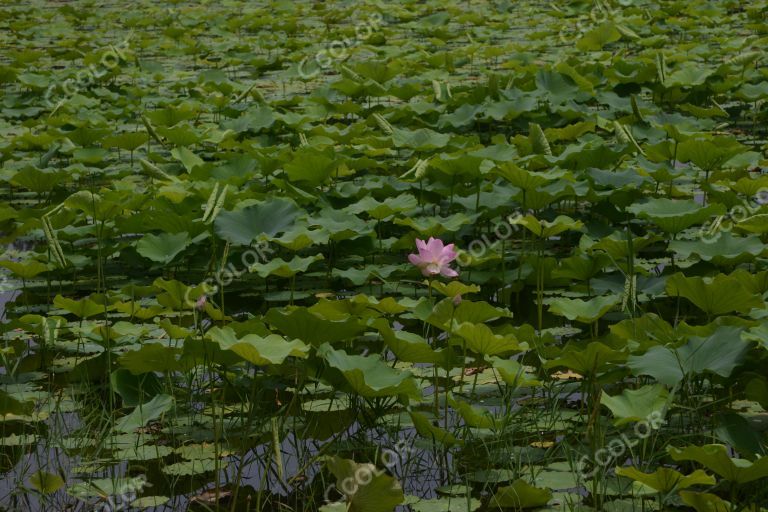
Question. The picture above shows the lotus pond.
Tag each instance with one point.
(421, 256)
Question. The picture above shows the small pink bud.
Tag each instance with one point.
(457, 300)
(200, 304)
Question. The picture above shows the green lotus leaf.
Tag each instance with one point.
(46, 483)
(754, 224)
(667, 480)
(479, 339)
(311, 165)
(719, 353)
(595, 357)
(595, 39)
(422, 139)
(82, 308)
(379, 492)
(705, 502)
(447, 504)
(26, 269)
(513, 373)
(714, 295)
(636, 404)
(129, 141)
(194, 467)
(428, 430)
(716, 458)
(144, 413)
(520, 495)
(187, 158)
(164, 247)
(369, 376)
(261, 351)
(302, 324)
(281, 268)
(476, 417)
(382, 210)
(709, 155)
(726, 249)
(546, 229)
(151, 357)
(268, 218)
(585, 311)
(673, 215)
(408, 346)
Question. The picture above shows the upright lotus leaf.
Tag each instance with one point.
(479, 338)
(714, 295)
(310, 328)
(428, 430)
(715, 457)
(617, 245)
(520, 495)
(593, 358)
(473, 416)
(546, 229)
(367, 488)
(585, 311)
(726, 249)
(281, 268)
(145, 413)
(754, 224)
(595, 39)
(46, 483)
(719, 353)
(581, 266)
(445, 312)
(384, 209)
(369, 376)
(673, 215)
(261, 351)
(454, 288)
(152, 357)
(311, 165)
(666, 480)
(464, 166)
(187, 158)
(25, 270)
(513, 373)
(538, 140)
(268, 218)
(636, 404)
(557, 87)
(410, 347)
(705, 502)
(10, 407)
(421, 139)
(162, 248)
(525, 179)
(435, 226)
(82, 308)
(708, 155)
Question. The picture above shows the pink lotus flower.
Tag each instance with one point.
(434, 258)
